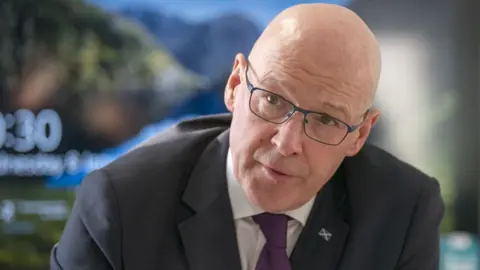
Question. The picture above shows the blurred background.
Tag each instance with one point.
(83, 81)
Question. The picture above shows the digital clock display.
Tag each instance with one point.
(27, 141)
(22, 131)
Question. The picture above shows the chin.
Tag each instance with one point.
(270, 201)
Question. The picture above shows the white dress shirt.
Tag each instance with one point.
(249, 236)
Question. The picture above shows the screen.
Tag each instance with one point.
(84, 81)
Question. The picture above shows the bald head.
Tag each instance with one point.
(301, 103)
(323, 40)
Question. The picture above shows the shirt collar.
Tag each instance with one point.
(242, 207)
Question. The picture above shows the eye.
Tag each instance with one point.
(272, 99)
(327, 120)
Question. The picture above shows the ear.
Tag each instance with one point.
(363, 132)
(234, 81)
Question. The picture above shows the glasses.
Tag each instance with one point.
(276, 109)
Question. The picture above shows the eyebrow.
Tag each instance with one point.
(329, 108)
(340, 108)
(325, 106)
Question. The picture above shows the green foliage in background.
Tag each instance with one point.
(30, 250)
(91, 49)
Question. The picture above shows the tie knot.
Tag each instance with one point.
(274, 228)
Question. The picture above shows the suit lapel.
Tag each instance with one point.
(209, 236)
(321, 242)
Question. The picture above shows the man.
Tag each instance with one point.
(282, 183)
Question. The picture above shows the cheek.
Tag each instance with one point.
(248, 131)
(247, 135)
(324, 160)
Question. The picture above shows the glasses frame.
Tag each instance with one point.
(252, 88)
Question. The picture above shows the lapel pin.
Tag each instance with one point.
(325, 234)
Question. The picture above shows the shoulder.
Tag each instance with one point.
(388, 168)
(394, 205)
(378, 179)
(170, 149)
(155, 168)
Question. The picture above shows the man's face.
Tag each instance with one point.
(278, 165)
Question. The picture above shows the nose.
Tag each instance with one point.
(289, 136)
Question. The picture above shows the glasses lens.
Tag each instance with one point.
(324, 128)
(269, 106)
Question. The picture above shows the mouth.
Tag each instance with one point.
(276, 173)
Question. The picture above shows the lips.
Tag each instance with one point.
(277, 170)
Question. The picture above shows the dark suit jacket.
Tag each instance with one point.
(165, 205)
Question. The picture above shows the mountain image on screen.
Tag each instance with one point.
(207, 48)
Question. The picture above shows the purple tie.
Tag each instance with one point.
(273, 255)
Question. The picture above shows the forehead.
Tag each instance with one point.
(327, 91)
(319, 65)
